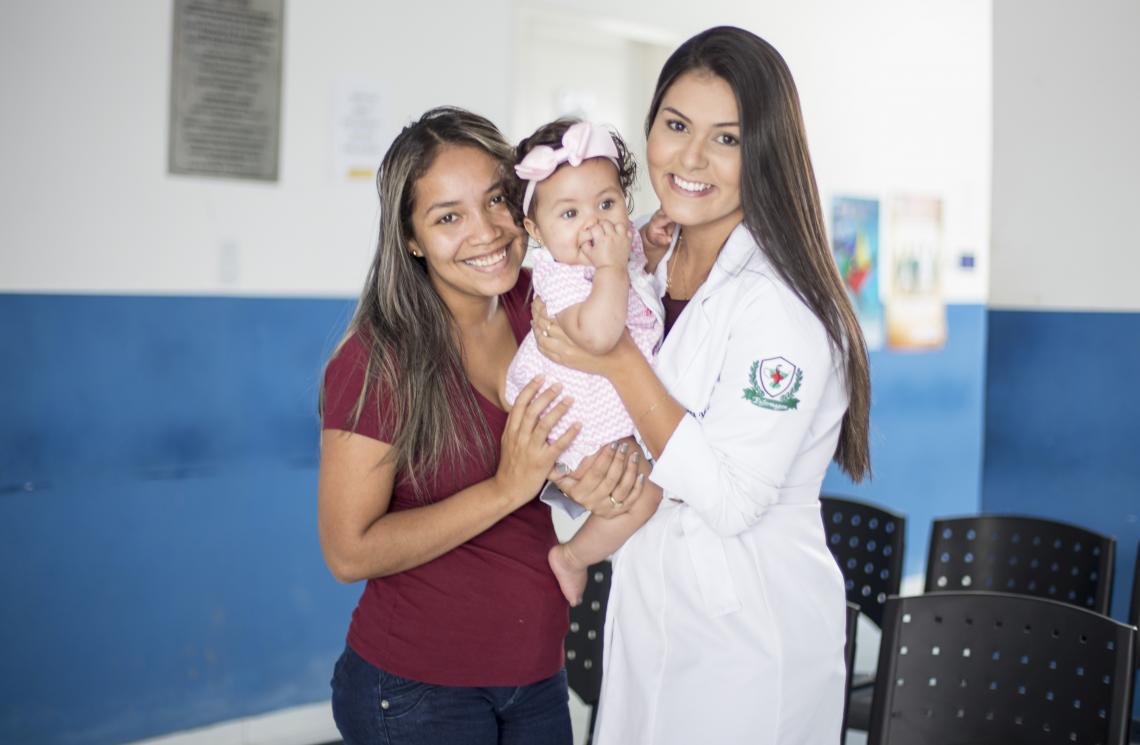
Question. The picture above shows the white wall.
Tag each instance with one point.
(567, 64)
(89, 206)
(896, 96)
(1067, 156)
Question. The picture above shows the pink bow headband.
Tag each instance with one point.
(582, 141)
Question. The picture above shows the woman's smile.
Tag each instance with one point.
(490, 262)
(689, 188)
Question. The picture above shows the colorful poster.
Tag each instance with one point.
(855, 245)
(916, 310)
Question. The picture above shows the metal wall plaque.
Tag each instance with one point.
(225, 88)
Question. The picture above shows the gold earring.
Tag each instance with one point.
(416, 253)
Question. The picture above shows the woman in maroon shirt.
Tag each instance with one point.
(427, 489)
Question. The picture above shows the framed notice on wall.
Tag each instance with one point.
(225, 88)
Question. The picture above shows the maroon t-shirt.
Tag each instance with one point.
(486, 613)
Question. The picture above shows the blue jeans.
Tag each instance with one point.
(374, 707)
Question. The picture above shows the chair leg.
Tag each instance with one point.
(593, 717)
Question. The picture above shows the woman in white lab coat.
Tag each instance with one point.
(726, 618)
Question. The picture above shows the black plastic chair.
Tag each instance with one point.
(1134, 608)
(1134, 619)
(849, 658)
(867, 542)
(999, 669)
(1022, 555)
(584, 640)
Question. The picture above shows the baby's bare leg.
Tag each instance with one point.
(597, 539)
(569, 570)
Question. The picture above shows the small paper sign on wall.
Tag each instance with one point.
(360, 137)
(225, 88)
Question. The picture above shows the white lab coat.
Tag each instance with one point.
(726, 616)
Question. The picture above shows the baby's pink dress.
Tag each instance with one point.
(596, 403)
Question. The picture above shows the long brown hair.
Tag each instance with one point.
(413, 354)
(781, 203)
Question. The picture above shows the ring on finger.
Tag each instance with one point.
(617, 503)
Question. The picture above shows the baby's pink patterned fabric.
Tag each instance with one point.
(596, 403)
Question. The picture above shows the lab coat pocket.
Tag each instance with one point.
(710, 566)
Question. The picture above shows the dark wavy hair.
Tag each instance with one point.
(781, 205)
(551, 136)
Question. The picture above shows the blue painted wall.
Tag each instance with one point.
(1063, 425)
(159, 564)
(926, 431)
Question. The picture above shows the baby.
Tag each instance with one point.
(589, 270)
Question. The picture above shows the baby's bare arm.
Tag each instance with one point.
(596, 323)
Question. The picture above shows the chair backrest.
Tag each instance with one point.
(584, 638)
(1022, 555)
(867, 541)
(1134, 609)
(1000, 669)
(849, 658)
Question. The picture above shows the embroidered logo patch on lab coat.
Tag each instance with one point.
(775, 382)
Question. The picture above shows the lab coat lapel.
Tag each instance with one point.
(684, 352)
(684, 342)
(739, 250)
